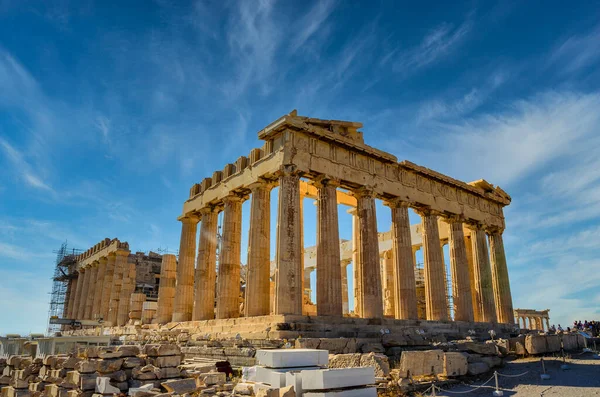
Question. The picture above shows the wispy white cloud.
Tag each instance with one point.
(312, 22)
(22, 168)
(577, 52)
(437, 44)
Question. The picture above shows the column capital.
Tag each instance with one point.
(325, 180)
(104, 259)
(208, 210)
(493, 229)
(396, 202)
(474, 225)
(415, 248)
(453, 218)
(427, 211)
(234, 197)
(345, 262)
(364, 191)
(289, 170)
(189, 218)
(262, 183)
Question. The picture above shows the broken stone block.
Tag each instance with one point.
(168, 372)
(287, 391)
(536, 344)
(161, 350)
(244, 389)
(70, 362)
(87, 381)
(165, 361)
(86, 366)
(378, 361)
(103, 386)
(132, 362)
(10, 391)
(181, 386)
(208, 392)
(492, 361)
(109, 355)
(421, 363)
(268, 392)
(455, 364)
(129, 350)
(212, 378)
(118, 376)
(478, 368)
(489, 349)
(109, 366)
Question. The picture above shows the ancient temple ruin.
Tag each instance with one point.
(329, 160)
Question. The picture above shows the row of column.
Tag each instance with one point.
(481, 292)
(533, 322)
(102, 290)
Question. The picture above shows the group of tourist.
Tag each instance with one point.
(592, 327)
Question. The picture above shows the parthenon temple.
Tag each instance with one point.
(328, 161)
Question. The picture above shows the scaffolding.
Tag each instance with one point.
(63, 273)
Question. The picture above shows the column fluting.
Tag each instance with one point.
(184, 296)
(206, 267)
(228, 292)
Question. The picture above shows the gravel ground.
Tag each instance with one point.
(581, 379)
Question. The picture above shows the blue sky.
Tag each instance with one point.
(110, 112)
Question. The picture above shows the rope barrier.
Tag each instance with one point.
(467, 391)
(513, 376)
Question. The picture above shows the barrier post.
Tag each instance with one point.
(497, 392)
(544, 375)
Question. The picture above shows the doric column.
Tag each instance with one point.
(404, 263)
(471, 266)
(371, 297)
(184, 296)
(206, 267)
(329, 277)
(90, 291)
(166, 289)
(127, 288)
(307, 287)
(357, 282)
(459, 265)
(259, 252)
(289, 277)
(228, 302)
(483, 275)
(70, 297)
(115, 293)
(389, 284)
(107, 285)
(344, 270)
(99, 288)
(435, 291)
(500, 281)
(79, 308)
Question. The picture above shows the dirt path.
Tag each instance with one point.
(581, 379)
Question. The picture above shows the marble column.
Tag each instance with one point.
(99, 288)
(404, 258)
(469, 250)
(459, 265)
(206, 268)
(434, 272)
(81, 294)
(500, 281)
(370, 277)
(259, 252)
(90, 290)
(115, 292)
(307, 287)
(107, 285)
(184, 296)
(127, 288)
(289, 276)
(483, 275)
(228, 302)
(166, 289)
(70, 299)
(344, 270)
(389, 285)
(329, 277)
(355, 263)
